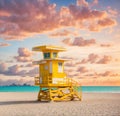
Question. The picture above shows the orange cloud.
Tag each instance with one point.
(105, 45)
(20, 19)
(106, 22)
(4, 44)
(102, 23)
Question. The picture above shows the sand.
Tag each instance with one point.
(92, 104)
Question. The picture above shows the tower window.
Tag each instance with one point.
(46, 55)
(60, 67)
(54, 55)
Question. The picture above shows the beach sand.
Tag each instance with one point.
(92, 104)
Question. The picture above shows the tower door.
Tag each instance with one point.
(50, 67)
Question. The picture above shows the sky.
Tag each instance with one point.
(88, 29)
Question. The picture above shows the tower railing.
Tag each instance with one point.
(65, 81)
(37, 80)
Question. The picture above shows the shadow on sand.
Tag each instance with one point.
(22, 102)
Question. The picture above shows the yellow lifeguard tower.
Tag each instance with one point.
(54, 85)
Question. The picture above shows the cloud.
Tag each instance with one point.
(67, 41)
(29, 65)
(106, 22)
(112, 12)
(24, 52)
(82, 3)
(24, 55)
(102, 23)
(20, 19)
(11, 70)
(86, 4)
(15, 70)
(63, 33)
(106, 59)
(34, 17)
(82, 70)
(107, 74)
(4, 44)
(105, 45)
(94, 58)
(79, 41)
(2, 67)
(95, 2)
(33, 72)
(69, 64)
(23, 59)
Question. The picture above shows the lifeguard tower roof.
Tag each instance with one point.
(48, 48)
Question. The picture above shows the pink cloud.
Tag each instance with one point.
(101, 24)
(63, 33)
(20, 19)
(11, 70)
(112, 12)
(108, 74)
(69, 64)
(24, 52)
(82, 70)
(86, 4)
(95, 2)
(29, 65)
(24, 55)
(83, 61)
(106, 22)
(15, 70)
(106, 59)
(79, 41)
(23, 59)
(94, 58)
(67, 41)
(4, 44)
(2, 67)
(33, 72)
(82, 3)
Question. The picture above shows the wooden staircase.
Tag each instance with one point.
(77, 89)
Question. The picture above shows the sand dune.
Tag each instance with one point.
(92, 104)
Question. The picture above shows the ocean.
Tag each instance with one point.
(85, 89)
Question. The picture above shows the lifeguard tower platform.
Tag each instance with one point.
(54, 85)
